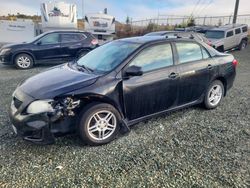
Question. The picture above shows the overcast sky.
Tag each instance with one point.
(137, 9)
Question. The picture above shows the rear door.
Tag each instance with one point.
(229, 41)
(194, 66)
(156, 90)
(72, 43)
(48, 47)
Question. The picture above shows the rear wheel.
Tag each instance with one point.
(99, 124)
(243, 45)
(214, 94)
(23, 61)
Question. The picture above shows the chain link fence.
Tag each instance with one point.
(171, 20)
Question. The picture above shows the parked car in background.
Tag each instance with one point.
(119, 84)
(228, 37)
(49, 47)
(197, 36)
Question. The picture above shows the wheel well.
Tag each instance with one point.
(246, 39)
(224, 82)
(27, 53)
(93, 99)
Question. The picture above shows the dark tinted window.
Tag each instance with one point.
(72, 37)
(154, 57)
(215, 34)
(188, 52)
(237, 31)
(244, 29)
(230, 33)
(52, 38)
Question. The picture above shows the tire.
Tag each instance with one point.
(24, 61)
(243, 45)
(94, 129)
(214, 94)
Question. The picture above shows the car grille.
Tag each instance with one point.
(17, 102)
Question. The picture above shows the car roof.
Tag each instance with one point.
(228, 27)
(152, 39)
(66, 31)
(162, 32)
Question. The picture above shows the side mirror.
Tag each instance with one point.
(134, 71)
(39, 43)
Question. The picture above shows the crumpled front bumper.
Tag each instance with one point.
(32, 127)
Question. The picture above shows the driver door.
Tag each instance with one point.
(48, 47)
(156, 89)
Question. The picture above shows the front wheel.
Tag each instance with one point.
(214, 94)
(99, 124)
(24, 61)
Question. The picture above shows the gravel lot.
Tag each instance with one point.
(187, 148)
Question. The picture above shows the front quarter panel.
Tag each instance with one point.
(107, 89)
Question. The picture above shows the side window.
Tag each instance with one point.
(205, 53)
(230, 33)
(244, 29)
(72, 37)
(154, 57)
(188, 52)
(52, 38)
(237, 31)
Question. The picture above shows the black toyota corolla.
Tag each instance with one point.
(119, 84)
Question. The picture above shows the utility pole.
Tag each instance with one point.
(83, 9)
(236, 11)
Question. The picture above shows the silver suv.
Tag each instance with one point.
(228, 37)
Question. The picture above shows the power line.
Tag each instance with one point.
(205, 7)
(197, 4)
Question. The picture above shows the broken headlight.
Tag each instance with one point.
(40, 106)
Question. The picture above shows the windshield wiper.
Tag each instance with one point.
(83, 67)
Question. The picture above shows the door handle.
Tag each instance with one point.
(173, 75)
(209, 67)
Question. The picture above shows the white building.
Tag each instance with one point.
(17, 31)
(58, 15)
(102, 26)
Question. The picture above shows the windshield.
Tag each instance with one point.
(108, 56)
(215, 34)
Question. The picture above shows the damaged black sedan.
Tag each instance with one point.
(117, 85)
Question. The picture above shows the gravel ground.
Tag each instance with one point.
(187, 148)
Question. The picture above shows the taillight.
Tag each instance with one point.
(94, 42)
(209, 43)
(235, 63)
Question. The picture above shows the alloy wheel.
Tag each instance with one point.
(23, 62)
(215, 95)
(101, 125)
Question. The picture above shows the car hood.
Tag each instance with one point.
(215, 41)
(13, 45)
(56, 81)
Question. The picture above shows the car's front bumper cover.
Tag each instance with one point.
(6, 59)
(32, 127)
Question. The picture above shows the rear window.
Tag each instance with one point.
(189, 52)
(237, 31)
(72, 37)
(230, 33)
(215, 34)
(244, 29)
